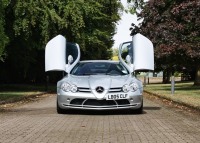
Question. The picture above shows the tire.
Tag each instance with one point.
(60, 110)
(140, 110)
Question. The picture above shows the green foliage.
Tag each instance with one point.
(3, 37)
(115, 51)
(175, 31)
(99, 30)
(31, 24)
(135, 6)
(173, 26)
(80, 21)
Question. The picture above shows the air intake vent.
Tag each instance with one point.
(83, 89)
(117, 89)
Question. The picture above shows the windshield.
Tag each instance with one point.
(94, 68)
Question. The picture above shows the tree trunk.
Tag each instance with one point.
(197, 76)
(166, 76)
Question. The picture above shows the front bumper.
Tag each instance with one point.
(88, 101)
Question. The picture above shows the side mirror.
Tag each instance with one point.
(70, 59)
(128, 59)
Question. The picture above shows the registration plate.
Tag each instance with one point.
(116, 96)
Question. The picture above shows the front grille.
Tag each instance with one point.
(88, 90)
(93, 102)
(122, 102)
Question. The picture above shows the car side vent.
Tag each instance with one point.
(83, 89)
(117, 89)
(77, 101)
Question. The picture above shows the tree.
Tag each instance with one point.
(80, 21)
(3, 37)
(174, 28)
(135, 6)
(99, 29)
(31, 24)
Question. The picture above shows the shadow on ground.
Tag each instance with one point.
(151, 108)
(52, 110)
(108, 112)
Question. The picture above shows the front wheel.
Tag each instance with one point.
(60, 110)
(140, 110)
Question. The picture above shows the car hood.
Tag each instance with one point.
(94, 81)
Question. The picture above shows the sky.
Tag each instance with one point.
(123, 32)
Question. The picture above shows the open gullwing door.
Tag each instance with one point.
(138, 54)
(61, 55)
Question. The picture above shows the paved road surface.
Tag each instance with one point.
(38, 122)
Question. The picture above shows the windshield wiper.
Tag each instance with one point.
(89, 74)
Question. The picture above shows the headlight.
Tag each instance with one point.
(67, 87)
(126, 88)
(133, 86)
(74, 88)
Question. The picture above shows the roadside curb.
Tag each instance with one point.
(178, 104)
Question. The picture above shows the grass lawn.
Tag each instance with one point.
(10, 93)
(185, 93)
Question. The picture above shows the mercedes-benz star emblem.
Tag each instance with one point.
(99, 89)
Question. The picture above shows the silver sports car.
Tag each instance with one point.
(99, 84)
